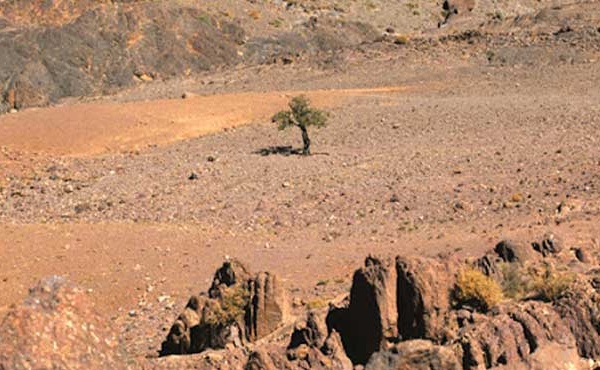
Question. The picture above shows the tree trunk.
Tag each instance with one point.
(306, 140)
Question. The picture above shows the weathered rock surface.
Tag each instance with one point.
(57, 49)
(511, 251)
(579, 309)
(424, 297)
(266, 310)
(511, 334)
(57, 328)
(414, 354)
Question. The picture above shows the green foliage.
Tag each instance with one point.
(476, 289)
(300, 114)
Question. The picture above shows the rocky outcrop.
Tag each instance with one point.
(57, 49)
(238, 308)
(57, 328)
(266, 310)
(511, 334)
(415, 354)
(371, 314)
(579, 309)
(403, 313)
(549, 245)
(513, 252)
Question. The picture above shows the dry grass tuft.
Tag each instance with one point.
(475, 289)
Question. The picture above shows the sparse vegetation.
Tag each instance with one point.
(302, 116)
(550, 284)
(544, 283)
(401, 40)
(475, 289)
(230, 308)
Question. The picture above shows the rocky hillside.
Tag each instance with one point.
(66, 48)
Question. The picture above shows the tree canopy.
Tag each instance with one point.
(300, 114)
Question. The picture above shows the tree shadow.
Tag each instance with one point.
(278, 150)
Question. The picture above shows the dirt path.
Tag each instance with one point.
(108, 127)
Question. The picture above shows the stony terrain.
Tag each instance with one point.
(156, 161)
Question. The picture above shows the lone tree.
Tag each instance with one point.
(302, 116)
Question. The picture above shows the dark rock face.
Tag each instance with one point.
(56, 327)
(57, 49)
(415, 355)
(371, 314)
(43, 64)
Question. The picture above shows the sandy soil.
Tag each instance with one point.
(457, 156)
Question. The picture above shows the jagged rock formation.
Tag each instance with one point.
(239, 308)
(515, 333)
(414, 355)
(401, 313)
(57, 328)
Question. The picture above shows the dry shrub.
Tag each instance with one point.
(550, 284)
(477, 290)
(536, 282)
(254, 14)
(517, 281)
(401, 39)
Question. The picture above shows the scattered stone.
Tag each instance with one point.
(193, 176)
(551, 244)
(584, 255)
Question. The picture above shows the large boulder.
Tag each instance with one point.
(57, 328)
(425, 287)
(371, 315)
(415, 354)
(511, 251)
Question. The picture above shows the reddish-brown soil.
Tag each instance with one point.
(428, 151)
